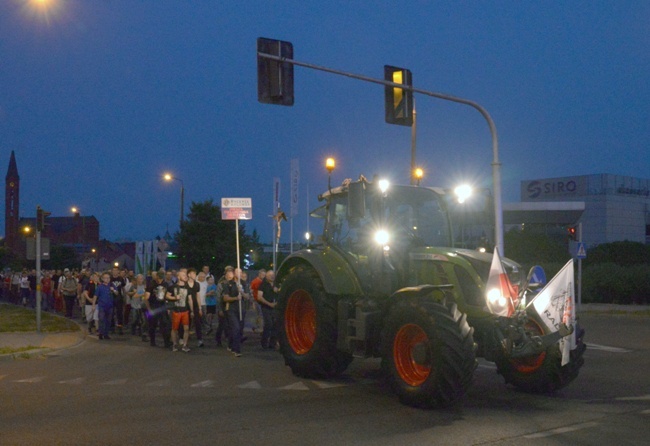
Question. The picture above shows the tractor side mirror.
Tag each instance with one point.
(356, 201)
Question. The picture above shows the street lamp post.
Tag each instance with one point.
(169, 177)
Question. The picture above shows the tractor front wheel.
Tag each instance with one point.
(428, 352)
(308, 328)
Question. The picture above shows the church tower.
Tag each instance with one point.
(12, 196)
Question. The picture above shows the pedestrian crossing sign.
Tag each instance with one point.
(582, 251)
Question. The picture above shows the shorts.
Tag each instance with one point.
(211, 309)
(91, 313)
(180, 317)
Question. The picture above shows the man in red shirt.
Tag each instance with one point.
(255, 286)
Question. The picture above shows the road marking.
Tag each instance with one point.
(607, 348)
(115, 382)
(326, 385)
(562, 430)
(295, 386)
(73, 381)
(207, 383)
(250, 385)
(161, 383)
(634, 398)
(36, 379)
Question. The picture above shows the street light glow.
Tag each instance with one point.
(44, 10)
(74, 209)
(168, 177)
(330, 164)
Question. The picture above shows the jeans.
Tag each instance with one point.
(70, 302)
(269, 337)
(105, 316)
(160, 316)
(235, 329)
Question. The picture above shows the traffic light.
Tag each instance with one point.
(274, 78)
(399, 102)
(41, 215)
(572, 232)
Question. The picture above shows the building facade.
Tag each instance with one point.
(616, 207)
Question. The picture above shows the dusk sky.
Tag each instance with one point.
(98, 98)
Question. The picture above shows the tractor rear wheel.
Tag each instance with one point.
(428, 352)
(543, 373)
(308, 327)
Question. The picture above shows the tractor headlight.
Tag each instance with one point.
(381, 237)
(496, 298)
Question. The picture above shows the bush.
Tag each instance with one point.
(620, 253)
(616, 284)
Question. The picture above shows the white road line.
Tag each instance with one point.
(36, 379)
(607, 348)
(634, 398)
(250, 385)
(295, 386)
(73, 381)
(561, 430)
(207, 383)
(326, 385)
(115, 382)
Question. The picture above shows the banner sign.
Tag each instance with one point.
(236, 208)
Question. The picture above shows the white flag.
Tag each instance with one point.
(295, 180)
(556, 304)
(502, 296)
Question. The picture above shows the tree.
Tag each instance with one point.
(206, 239)
(62, 257)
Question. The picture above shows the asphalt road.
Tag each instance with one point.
(125, 392)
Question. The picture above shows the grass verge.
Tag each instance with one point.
(19, 319)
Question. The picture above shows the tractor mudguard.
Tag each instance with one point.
(335, 273)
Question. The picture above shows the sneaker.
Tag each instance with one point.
(200, 343)
(237, 355)
(175, 348)
(185, 348)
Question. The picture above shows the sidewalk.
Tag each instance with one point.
(41, 343)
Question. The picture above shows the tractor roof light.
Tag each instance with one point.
(382, 237)
(383, 186)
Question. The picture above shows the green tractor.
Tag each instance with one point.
(385, 281)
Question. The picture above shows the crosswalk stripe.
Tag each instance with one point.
(115, 382)
(561, 430)
(295, 386)
(36, 379)
(73, 381)
(206, 383)
(326, 385)
(250, 385)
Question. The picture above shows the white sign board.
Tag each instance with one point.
(236, 208)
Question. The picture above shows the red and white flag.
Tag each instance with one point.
(502, 297)
(556, 304)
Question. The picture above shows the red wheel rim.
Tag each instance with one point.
(406, 339)
(532, 363)
(300, 322)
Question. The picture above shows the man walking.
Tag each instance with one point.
(231, 295)
(267, 295)
(183, 309)
(104, 299)
(155, 301)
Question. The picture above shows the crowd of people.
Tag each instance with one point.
(172, 304)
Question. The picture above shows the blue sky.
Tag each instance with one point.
(99, 98)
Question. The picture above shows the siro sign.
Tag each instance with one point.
(556, 187)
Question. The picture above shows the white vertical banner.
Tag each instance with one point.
(295, 181)
(139, 257)
(148, 254)
(276, 195)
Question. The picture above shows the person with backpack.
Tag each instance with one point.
(68, 288)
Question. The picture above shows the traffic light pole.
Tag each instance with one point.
(496, 165)
(38, 280)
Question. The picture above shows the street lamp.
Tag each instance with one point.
(169, 177)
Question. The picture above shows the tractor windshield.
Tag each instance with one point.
(413, 216)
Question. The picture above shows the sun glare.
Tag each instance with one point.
(44, 10)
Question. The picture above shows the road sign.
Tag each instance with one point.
(31, 248)
(236, 209)
(582, 251)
